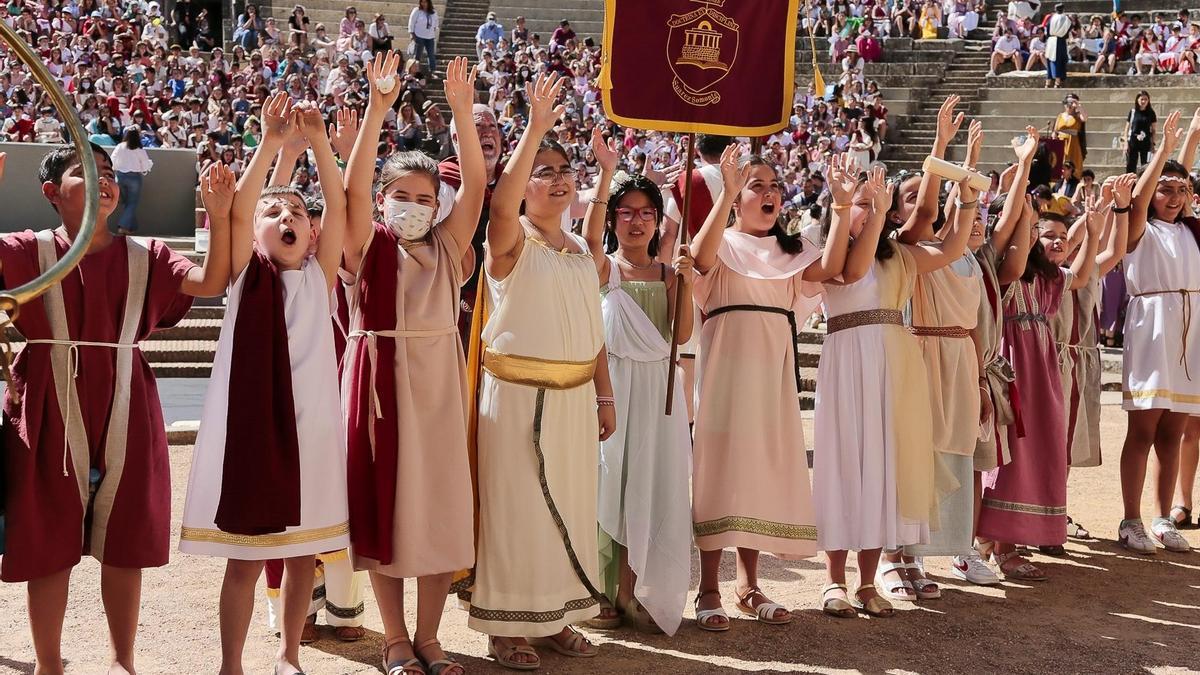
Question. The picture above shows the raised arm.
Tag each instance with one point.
(1187, 153)
(597, 210)
(216, 192)
(843, 182)
(1012, 214)
(919, 226)
(295, 146)
(468, 201)
(504, 234)
(1148, 183)
(360, 170)
(930, 257)
(1085, 262)
(278, 123)
(1118, 237)
(862, 252)
(333, 219)
(1016, 256)
(712, 233)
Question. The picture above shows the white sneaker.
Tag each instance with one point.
(1132, 535)
(972, 568)
(1166, 533)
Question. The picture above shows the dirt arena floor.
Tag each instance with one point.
(1103, 611)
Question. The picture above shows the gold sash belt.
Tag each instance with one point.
(865, 318)
(940, 331)
(540, 373)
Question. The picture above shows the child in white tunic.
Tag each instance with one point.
(1162, 357)
(276, 257)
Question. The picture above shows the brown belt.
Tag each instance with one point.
(868, 317)
(1187, 321)
(940, 331)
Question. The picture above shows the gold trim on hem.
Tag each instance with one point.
(766, 528)
(1032, 509)
(208, 536)
(534, 372)
(1142, 394)
(529, 616)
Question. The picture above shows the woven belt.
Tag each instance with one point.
(1187, 321)
(869, 317)
(940, 331)
(789, 314)
(1028, 317)
(535, 372)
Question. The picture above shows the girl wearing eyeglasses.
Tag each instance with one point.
(644, 507)
(545, 403)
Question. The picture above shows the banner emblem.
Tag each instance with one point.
(702, 47)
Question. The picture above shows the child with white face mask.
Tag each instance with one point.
(404, 361)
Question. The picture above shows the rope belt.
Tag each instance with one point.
(73, 361)
(1187, 320)
(372, 337)
(868, 317)
(940, 331)
(768, 309)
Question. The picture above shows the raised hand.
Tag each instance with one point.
(732, 177)
(1094, 214)
(310, 121)
(381, 73)
(1194, 127)
(1028, 147)
(974, 143)
(542, 95)
(343, 134)
(665, 176)
(217, 185)
(843, 178)
(460, 86)
(1172, 134)
(948, 123)
(3, 158)
(277, 120)
(607, 153)
(880, 190)
(1122, 190)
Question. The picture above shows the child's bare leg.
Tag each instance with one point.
(627, 581)
(121, 591)
(297, 596)
(389, 594)
(431, 601)
(47, 598)
(1189, 458)
(1166, 450)
(237, 607)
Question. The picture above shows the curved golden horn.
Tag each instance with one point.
(12, 299)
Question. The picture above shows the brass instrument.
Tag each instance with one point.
(12, 299)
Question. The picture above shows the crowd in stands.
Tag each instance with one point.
(918, 19)
(127, 66)
(1118, 43)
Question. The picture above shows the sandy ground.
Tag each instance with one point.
(1104, 611)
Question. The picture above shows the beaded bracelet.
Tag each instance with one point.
(605, 400)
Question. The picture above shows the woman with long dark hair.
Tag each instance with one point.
(1139, 132)
(423, 26)
(131, 163)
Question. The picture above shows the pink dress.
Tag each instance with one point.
(1025, 501)
(750, 484)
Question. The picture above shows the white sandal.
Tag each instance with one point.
(921, 581)
(901, 590)
(764, 612)
(703, 615)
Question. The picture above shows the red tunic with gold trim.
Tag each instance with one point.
(127, 521)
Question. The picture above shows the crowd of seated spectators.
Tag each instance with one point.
(1116, 43)
(126, 67)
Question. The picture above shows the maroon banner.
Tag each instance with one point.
(700, 66)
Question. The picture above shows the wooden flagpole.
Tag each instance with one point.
(679, 298)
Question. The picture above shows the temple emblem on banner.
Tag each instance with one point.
(701, 49)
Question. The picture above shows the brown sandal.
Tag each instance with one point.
(765, 611)
(575, 644)
(440, 665)
(349, 633)
(400, 667)
(504, 654)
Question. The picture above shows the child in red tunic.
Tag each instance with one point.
(86, 463)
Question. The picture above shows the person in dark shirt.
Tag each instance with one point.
(562, 34)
